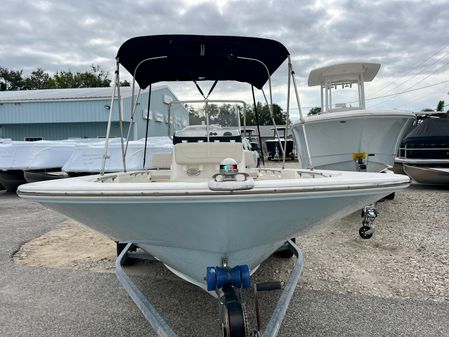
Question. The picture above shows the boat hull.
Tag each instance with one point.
(195, 230)
(428, 175)
(11, 179)
(333, 138)
(32, 176)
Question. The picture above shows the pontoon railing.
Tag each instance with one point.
(403, 151)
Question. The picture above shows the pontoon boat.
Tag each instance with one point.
(424, 152)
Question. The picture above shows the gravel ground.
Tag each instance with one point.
(408, 256)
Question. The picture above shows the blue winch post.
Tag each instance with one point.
(150, 313)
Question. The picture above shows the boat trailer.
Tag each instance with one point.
(231, 310)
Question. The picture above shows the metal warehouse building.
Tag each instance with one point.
(83, 112)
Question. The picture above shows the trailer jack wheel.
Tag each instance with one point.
(369, 215)
(366, 232)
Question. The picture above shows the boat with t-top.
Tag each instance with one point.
(345, 135)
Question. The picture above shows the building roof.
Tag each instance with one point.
(64, 94)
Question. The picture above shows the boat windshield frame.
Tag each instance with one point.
(208, 125)
(242, 59)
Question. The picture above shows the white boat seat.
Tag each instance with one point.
(207, 153)
(249, 159)
(201, 160)
(161, 160)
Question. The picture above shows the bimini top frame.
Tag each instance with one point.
(344, 75)
(156, 58)
(200, 58)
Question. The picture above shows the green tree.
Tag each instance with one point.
(38, 79)
(65, 79)
(11, 79)
(224, 115)
(314, 111)
(440, 109)
(96, 77)
(196, 116)
(280, 116)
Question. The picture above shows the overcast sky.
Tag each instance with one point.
(409, 38)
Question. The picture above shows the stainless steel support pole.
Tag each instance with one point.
(362, 91)
(322, 103)
(108, 131)
(301, 117)
(132, 127)
(270, 104)
(288, 112)
(120, 114)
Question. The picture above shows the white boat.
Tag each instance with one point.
(208, 224)
(346, 136)
(209, 218)
(88, 158)
(40, 156)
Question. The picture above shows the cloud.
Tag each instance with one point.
(56, 35)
